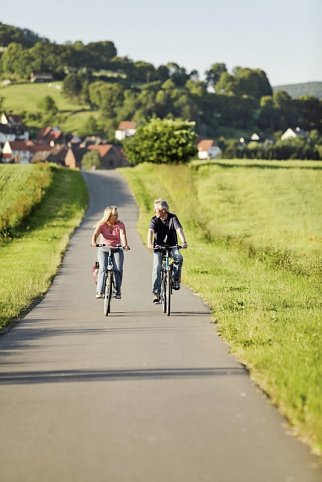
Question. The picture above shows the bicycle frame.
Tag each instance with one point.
(109, 277)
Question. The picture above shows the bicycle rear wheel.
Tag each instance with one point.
(108, 293)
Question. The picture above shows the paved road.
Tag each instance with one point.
(136, 396)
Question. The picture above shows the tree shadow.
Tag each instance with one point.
(71, 376)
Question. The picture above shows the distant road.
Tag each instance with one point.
(136, 396)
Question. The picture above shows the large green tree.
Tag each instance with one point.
(16, 60)
(24, 37)
(214, 73)
(108, 98)
(72, 86)
(244, 81)
(91, 160)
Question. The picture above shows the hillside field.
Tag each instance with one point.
(25, 97)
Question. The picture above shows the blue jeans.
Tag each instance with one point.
(156, 270)
(118, 260)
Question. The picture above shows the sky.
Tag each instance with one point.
(281, 37)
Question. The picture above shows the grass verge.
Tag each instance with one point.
(30, 260)
(32, 181)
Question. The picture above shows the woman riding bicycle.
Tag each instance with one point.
(164, 230)
(112, 232)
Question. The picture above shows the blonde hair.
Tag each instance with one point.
(108, 212)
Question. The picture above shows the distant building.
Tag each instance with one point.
(23, 151)
(293, 133)
(111, 156)
(10, 119)
(56, 154)
(12, 129)
(50, 135)
(74, 156)
(207, 149)
(125, 129)
(255, 137)
(12, 133)
(16, 151)
(6, 134)
(41, 77)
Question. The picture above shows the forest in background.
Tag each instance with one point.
(224, 105)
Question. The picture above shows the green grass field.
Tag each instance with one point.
(255, 248)
(32, 181)
(25, 97)
(40, 239)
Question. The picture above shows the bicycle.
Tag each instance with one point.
(109, 277)
(166, 276)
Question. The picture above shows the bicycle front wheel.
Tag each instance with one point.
(108, 293)
(168, 294)
(163, 292)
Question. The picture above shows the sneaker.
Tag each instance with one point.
(99, 295)
(156, 298)
(117, 296)
(176, 285)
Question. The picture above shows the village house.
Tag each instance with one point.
(74, 156)
(41, 77)
(293, 133)
(6, 134)
(91, 140)
(55, 154)
(111, 156)
(22, 151)
(12, 133)
(16, 151)
(125, 129)
(10, 119)
(50, 135)
(207, 149)
(11, 129)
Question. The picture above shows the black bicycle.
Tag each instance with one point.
(109, 277)
(167, 280)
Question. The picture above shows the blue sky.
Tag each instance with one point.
(282, 37)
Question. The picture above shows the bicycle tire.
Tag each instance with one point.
(108, 293)
(163, 292)
(168, 294)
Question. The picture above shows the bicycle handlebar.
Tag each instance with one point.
(112, 248)
(166, 248)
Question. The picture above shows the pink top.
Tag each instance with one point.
(111, 234)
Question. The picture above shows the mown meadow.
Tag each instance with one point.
(40, 207)
(71, 116)
(255, 256)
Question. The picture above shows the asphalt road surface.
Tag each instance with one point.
(136, 396)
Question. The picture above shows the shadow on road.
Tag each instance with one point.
(67, 376)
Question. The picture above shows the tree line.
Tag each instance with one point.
(222, 104)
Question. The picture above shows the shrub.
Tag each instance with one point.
(162, 141)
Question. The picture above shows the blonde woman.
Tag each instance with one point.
(110, 231)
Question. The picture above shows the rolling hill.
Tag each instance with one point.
(300, 90)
